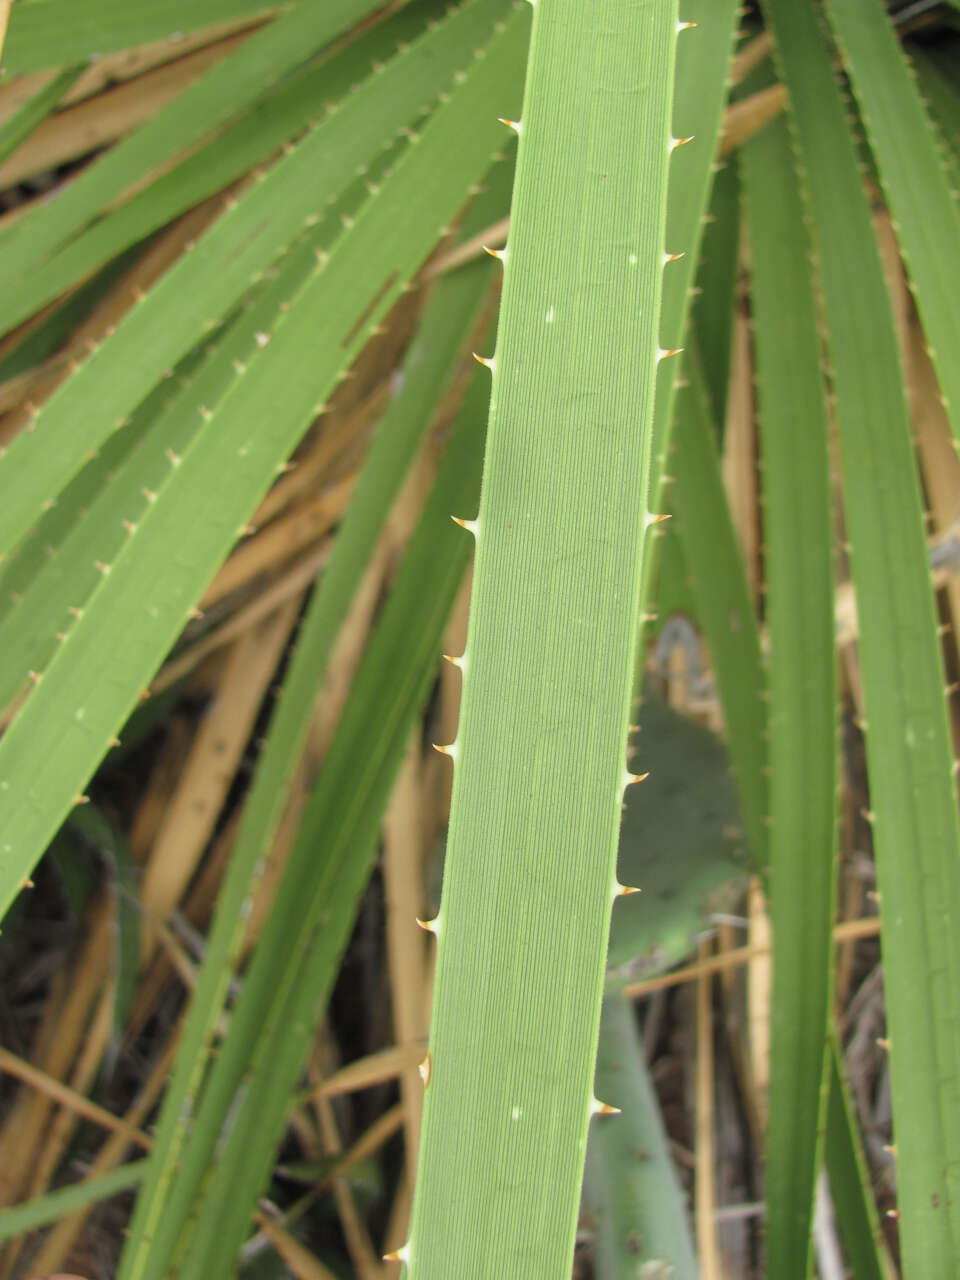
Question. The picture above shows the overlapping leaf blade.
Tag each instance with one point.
(445, 323)
(91, 686)
(48, 33)
(299, 101)
(209, 102)
(914, 177)
(792, 414)
(909, 754)
(724, 606)
(219, 269)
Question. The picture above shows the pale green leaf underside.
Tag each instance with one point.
(540, 758)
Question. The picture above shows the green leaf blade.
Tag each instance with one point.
(800, 621)
(540, 757)
(47, 33)
(443, 324)
(93, 683)
(914, 177)
(208, 280)
(909, 754)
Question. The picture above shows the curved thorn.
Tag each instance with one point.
(630, 778)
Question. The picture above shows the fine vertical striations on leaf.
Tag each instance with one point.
(913, 800)
(798, 521)
(539, 762)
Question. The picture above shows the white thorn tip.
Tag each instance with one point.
(598, 1108)
(684, 26)
(488, 362)
(399, 1255)
(459, 663)
(471, 526)
(680, 142)
(452, 750)
(630, 778)
(664, 353)
(671, 257)
(650, 519)
(499, 254)
(515, 125)
(430, 926)
(624, 890)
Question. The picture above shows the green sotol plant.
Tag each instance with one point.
(268, 310)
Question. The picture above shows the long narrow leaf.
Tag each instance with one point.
(539, 773)
(269, 123)
(909, 754)
(713, 307)
(800, 625)
(209, 102)
(443, 327)
(724, 607)
(914, 177)
(850, 1186)
(941, 97)
(93, 683)
(703, 66)
(248, 1096)
(208, 281)
(48, 33)
(20, 126)
(57, 1204)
